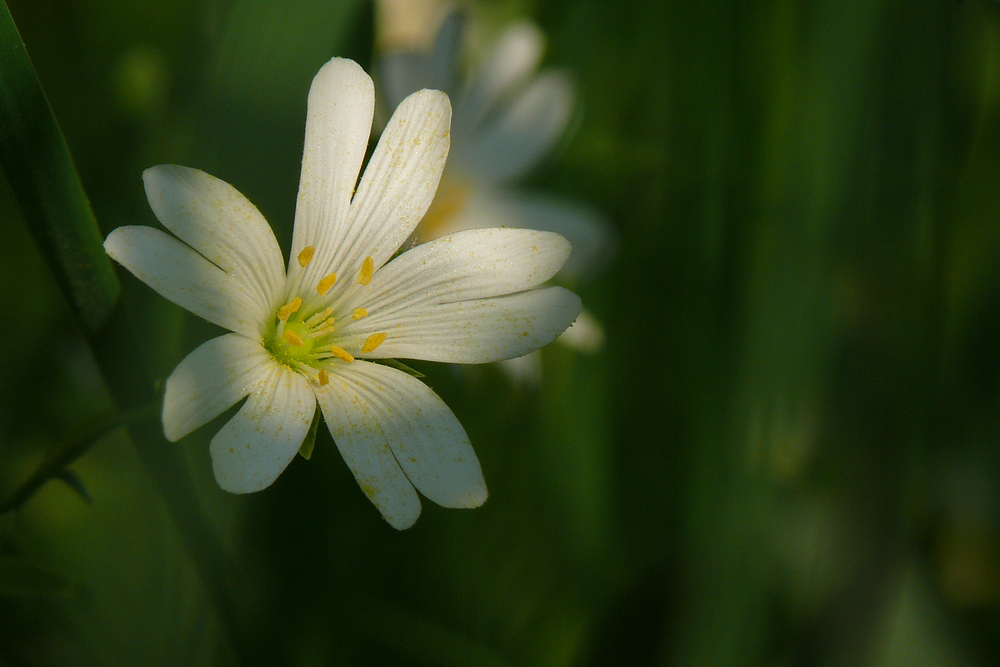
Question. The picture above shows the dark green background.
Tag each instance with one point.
(788, 452)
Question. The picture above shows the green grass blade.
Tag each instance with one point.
(43, 177)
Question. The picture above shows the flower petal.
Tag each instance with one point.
(524, 133)
(474, 332)
(399, 181)
(212, 217)
(357, 429)
(594, 241)
(338, 124)
(181, 275)
(260, 441)
(210, 380)
(372, 409)
(515, 55)
(467, 265)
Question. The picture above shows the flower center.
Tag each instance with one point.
(307, 340)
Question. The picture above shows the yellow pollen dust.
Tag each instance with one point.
(324, 285)
(289, 308)
(341, 353)
(292, 338)
(306, 255)
(367, 269)
(323, 377)
(359, 313)
(373, 341)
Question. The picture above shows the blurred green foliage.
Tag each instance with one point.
(788, 452)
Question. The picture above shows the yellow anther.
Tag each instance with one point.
(324, 285)
(306, 255)
(359, 313)
(367, 269)
(323, 377)
(373, 341)
(289, 308)
(292, 338)
(341, 353)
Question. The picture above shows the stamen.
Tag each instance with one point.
(314, 320)
(359, 313)
(341, 353)
(293, 338)
(367, 269)
(327, 328)
(324, 285)
(306, 255)
(323, 377)
(289, 308)
(373, 341)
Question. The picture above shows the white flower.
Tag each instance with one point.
(301, 337)
(508, 117)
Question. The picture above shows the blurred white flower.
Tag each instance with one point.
(300, 337)
(507, 118)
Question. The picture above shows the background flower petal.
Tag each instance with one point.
(404, 72)
(258, 443)
(515, 55)
(522, 134)
(338, 125)
(212, 217)
(475, 332)
(210, 380)
(180, 274)
(377, 409)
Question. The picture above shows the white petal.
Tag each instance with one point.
(399, 182)
(338, 124)
(516, 54)
(260, 441)
(220, 223)
(523, 134)
(594, 241)
(210, 380)
(475, 332)
(183, 276)
(372, 410)
(468, 265)
(358, 432)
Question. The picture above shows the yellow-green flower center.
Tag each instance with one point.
(304, 339)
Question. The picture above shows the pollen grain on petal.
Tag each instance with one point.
(285, 311)
(293, 338)
(359, 313)
(367, 270)
(373, 342)
(326, 283)
(306, 255)
(341, 353)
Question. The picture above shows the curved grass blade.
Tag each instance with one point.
(43, 177)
